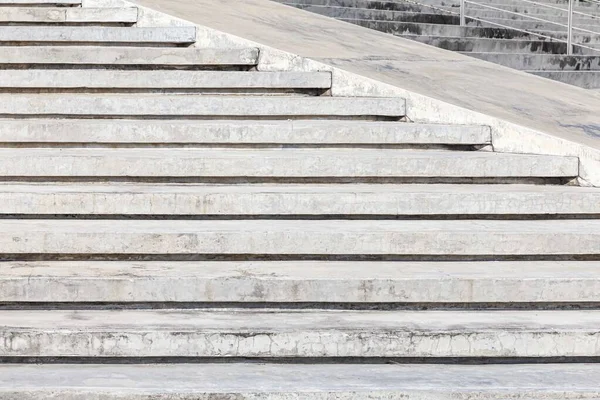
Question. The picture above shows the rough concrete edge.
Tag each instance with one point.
(506, 136)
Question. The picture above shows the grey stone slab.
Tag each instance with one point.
(299, 333)
(165, 79)
(302, 237)
(583, 79)
(550, 62)
(300, 281)
(290, 382)
(305, 199)
(68, 15)
(273, 162)
(117, 56)
(197, 105)
(96, 34)
(240, 132)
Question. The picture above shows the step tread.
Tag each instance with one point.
(197, 105)
(306, 237)
(305, 199)
(68, 14)
(301, 281)
(274, 162)
(281, 381)
(94, 78)
(91, 34)
(298, 333)
(89, 55)
(240, 131)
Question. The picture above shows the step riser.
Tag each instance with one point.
(301, 238)
(129, 57)
(97, 35)
(97, 16)
(285, 205)
(240, 132)
(586, 80)
(301, 282)
(199, 106)
(84, 80)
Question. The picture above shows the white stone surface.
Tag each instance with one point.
(301, 237)
(292, 382)
(301, 333)
(274, 162)
(21, 3)
(301, 281)
(239, 132)
(111, 79)
(174, 105)
(156, 56)
(296, 199)
(96, 34)
(68, 14)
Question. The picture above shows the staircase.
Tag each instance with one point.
(176, 224)
(526, 47)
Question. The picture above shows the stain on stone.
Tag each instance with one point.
(590, 130)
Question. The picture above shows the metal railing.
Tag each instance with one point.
(569, 28)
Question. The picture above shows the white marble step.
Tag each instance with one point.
(112, 79)
(198, 163)
(66, 15)
(298, 333)
(97, 35)
(197, 105)
(239, 132)
(463, 238)
(300, 282)
(128, 56)
(295, 381)
(297, 199)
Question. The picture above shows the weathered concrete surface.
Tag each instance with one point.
(306, 199)
(117, 56)
(301, 281)
(21, 3)
(274, 162)
(68, 14)
(174, 105)
(301, 333)
(96, 34)
(240, 131)
(291, 382)
(439, 86)
(301, 237)
(110, 79)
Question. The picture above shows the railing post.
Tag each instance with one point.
(463, 21)
(569, 28)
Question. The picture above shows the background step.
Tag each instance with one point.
(95, 34)
(310, 382)
(528, 61)
(296, 200)
(124, 15)
(301, 282)
(299, 333)
(493, 45)
(40, 3)
(282, 163)
(199, 106)
(442, 238)
(240, 132)
(583, 79)
(111, 79)
(130, 56)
